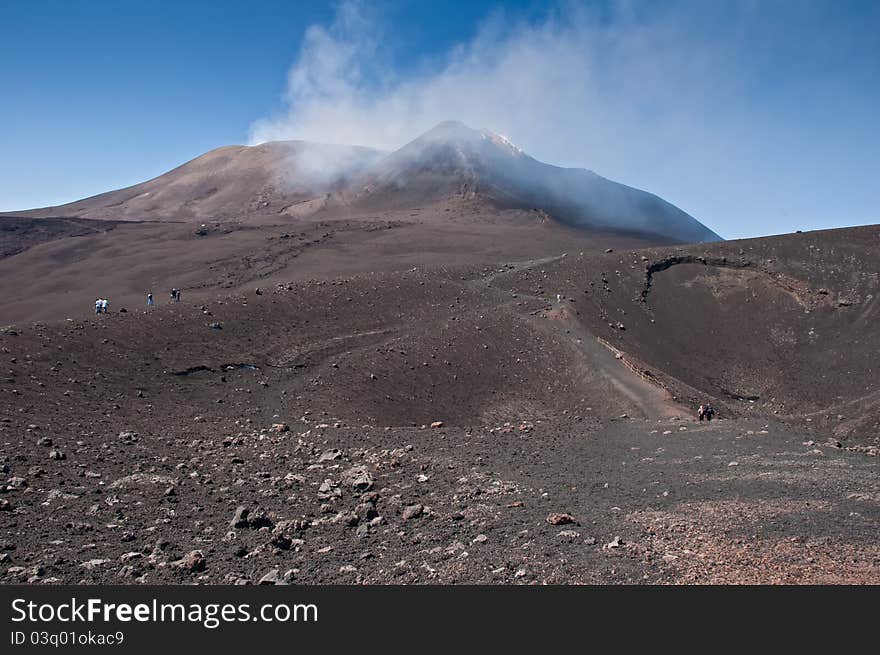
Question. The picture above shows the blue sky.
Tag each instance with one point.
(755, 117)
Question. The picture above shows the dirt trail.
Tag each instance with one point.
(513, 267)
(651, 400)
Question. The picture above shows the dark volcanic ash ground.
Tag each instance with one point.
(454, 424)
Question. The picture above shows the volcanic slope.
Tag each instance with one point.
(287, 435)
(780, 326)
(451, 161)
(239, 217)
(226, 183)
(62, 276)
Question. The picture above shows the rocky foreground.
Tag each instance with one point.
(317, 501)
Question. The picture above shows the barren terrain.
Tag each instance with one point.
(445, 418)
(447, 364)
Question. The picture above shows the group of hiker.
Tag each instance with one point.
(706, 411)
(101, 304)
(175, 297)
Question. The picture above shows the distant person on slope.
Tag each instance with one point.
(710, 412)
(701, 413)
(149, 300)
(104, 303)
(97, 305)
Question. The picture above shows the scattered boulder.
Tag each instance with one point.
(349, 519)
(193, 562)
(330, 455)
(94, 563)
(329, 489)
(617, 542)
(240, 518)
(243, 518)
(560, 519)
(359, 478)
(412, 511)
(259, 519)
(273, 577)
(127, 436)
(15, 484)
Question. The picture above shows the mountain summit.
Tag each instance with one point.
(455, 159)
(450, 162)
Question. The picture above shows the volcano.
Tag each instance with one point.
(449, 163)
(453, 160)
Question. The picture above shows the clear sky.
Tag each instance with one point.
(757, 117)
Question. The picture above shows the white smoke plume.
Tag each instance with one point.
(660, 96)
(563, 89)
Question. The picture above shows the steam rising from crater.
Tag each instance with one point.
(663, 96)
(571, 89)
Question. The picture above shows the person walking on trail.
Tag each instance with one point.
(149, 300)
(98, 302)
(104, 303)
(701, 413)
(710, 412)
